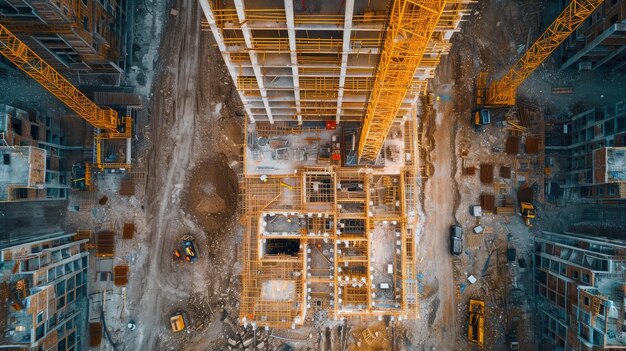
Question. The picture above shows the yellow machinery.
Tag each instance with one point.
(528, 212)
(105, 120)
(410, 27)
(177, 322)
(502, 92)
(476, 327)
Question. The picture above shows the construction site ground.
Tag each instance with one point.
(185, 182)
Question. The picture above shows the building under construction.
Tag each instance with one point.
(43, 290)
(82, 37)
(33, 150)
(581, 281)
(590, 146)
(324, 97)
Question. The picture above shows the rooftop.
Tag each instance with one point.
(21, 167)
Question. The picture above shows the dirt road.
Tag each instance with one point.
(174, 112)
(192, 189)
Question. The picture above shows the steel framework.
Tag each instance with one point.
(409, 29)
(105, 120)
(502, 92)
(340, 215)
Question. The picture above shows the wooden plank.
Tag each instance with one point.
(129, 231)
(95, 334)
(120, 275)
(487, 202)
(486, 173)
(105, 244)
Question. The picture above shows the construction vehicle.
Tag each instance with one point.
(285, 185)
(501, 93)
(481, 117)
(107, 124)
(456, 240)
(476, 325)
(177, 322)
(189, 248)
(528, 212)
(177, 255)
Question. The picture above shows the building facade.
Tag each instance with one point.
(43, 285)
(580, 283)
(77, 36)
(592, 147)
(314, 60)
(600, 41)
(37, 142)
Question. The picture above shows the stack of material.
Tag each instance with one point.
(512, 145)
(120, 275)
(486, 173)
(505, 172)
(127, 188)
(105, 244)
(488, 202)
(532, 145)
(129, 231)
(95, 334)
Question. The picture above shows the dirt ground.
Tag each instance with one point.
(448, 195)
(195, 142)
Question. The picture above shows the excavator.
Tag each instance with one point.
(527, 209)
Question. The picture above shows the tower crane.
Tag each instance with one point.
(409, 29)
(501, 93)
(105, 120)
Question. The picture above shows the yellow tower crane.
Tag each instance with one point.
(105, 120)
(502, 92)
(410, 27)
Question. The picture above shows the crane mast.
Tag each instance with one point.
(409, 29)
(502, 92)
(105, 120)
(28, 61)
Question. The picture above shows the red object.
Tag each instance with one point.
(336, 156)
(331, 125)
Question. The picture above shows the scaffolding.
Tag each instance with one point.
(342, 49)
(310, 231)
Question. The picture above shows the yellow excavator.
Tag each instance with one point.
(476, 327)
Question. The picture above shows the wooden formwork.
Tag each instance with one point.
(315, 197)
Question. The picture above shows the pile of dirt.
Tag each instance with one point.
(212, 193)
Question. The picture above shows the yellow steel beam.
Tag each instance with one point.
(409, 29)
(502, 92)
(28, 61)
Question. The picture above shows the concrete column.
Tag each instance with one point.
(219, 38)
(294, 56)
(247, 36)
(347, 30)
